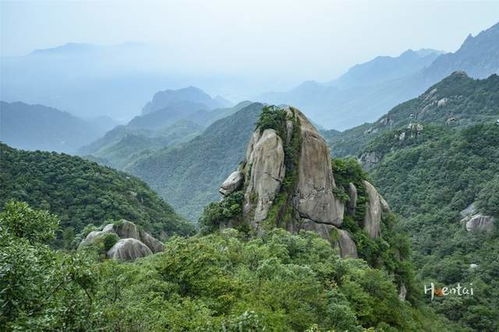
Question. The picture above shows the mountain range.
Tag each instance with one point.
(368, 90)
(37, 127)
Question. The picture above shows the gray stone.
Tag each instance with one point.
(372, 219)
(314, 197)
(127, 229)
(402, 292)
(128, 249)
(369, 159)
(468, 211)
(353, 196)
(348, 249)
(480, 223)
(152, 243)
(232, 183)
(266, 159)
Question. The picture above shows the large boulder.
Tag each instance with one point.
(94, 235)
(372, 219)
(125, 229)
(151, 242)
(314, 199)
(266, 162)
(128, 249)
(232, 183)
(346, 244)
(480, 223)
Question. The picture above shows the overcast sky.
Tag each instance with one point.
(288, 40)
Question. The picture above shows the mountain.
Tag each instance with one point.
(434, 158)
(368, 90)
(189, 174)
(444, 184)
(147, 133)
(37, 127)
(478, 57)
(82, 193)
(456, 101)
(180, 97)
(365, 89)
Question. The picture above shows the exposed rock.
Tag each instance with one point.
(128, 249)
(369, 159)
(94, 235)
(372, 219)
(314, 197)
(469, 210)
(266, 159)
(353, 196)
(126, 229)
(385, 208)
(473, 266)
(151, 242)
(346, 244)
(480, 223)
(232, 183)
(402, 292)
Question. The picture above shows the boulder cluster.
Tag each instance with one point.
(474, 221)
(299, 198)
(132, 243)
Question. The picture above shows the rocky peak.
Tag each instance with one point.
(288, 182)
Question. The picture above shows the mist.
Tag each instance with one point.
(125, 51)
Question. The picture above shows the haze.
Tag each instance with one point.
(240, 49)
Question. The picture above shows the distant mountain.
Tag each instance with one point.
(478, 57)
(368, 90)
(93, 80)
(37, 127)
(180, 97)
(456, 101)
(189, 174)
(144, 134)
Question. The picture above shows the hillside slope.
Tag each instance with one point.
(189, 174)
(81, 192)
(438, 182)
(37, 127)
(456, 101)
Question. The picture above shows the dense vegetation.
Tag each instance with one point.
(219, 282)
(456, 101)
(429, 180)
(81, 192)
(189, 175)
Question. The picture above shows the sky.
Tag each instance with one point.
(275, 42)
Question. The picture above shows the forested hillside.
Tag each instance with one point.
(81, 192)
(456, 101)
(430, 180)
(189, 175)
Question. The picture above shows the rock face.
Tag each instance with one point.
(480, 223)
(353, 196)
(372, 219)
(288, 182)
(266, 159)
(314, 197)
(232, 183)
(125, 249)
(346, 244)
(128, 249)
